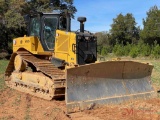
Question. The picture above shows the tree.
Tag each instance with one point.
(46, 6)
(103, 42)
(131, 31)
(151, 30)
(12, 23)
(124, 30)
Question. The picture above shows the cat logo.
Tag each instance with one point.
(26, 41)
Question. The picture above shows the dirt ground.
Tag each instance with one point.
(15, 105)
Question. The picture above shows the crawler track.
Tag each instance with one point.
(42, 66)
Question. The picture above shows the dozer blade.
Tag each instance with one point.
(109, 82)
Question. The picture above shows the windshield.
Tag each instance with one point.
(35, 27)
(50, 25)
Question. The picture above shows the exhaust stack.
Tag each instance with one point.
(82, 20)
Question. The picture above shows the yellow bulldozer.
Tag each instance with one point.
(53, 62)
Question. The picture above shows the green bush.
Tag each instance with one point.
(134, 51)
(127, 49)
(104, 51)
(99, 49)
(3, 55)
(146, 50)
(155, 51)
(118, 50)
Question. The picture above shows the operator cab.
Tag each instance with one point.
(44, 26)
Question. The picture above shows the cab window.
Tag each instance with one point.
(50, 26)
(35, 27)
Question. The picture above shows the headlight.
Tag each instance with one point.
(14, 42)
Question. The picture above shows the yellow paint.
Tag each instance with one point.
(19, 64)
(36, 78)
(32, 44)
(63, 46)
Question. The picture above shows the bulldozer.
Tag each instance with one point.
(53, 62)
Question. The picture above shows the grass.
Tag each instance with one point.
(156, 74)
(3, 65)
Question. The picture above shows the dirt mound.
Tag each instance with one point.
(15, 105)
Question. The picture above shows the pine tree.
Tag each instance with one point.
(124, 30)
(151, 31)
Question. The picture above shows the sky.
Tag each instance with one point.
(100, 13)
